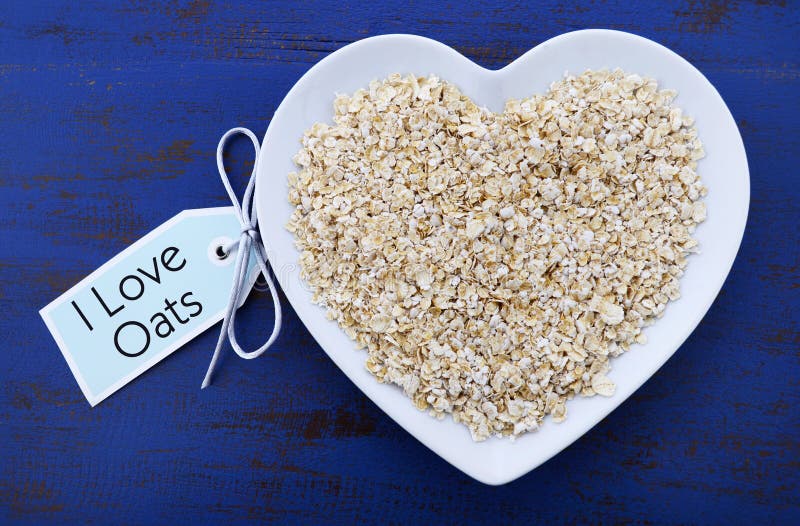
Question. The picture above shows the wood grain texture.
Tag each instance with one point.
(110, 113)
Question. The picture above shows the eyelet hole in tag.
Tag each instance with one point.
(217, 254)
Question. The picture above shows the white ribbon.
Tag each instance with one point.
(248, 240)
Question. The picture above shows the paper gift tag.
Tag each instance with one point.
(148, 301)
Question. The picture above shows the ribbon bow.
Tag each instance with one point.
(249, 240)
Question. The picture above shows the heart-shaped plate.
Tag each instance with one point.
(724, 171)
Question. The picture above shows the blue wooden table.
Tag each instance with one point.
(110, 113)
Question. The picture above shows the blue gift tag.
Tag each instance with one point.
(148, 301)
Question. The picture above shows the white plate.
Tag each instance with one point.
(724, 171)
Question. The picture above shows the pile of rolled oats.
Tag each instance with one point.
(492, 263)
